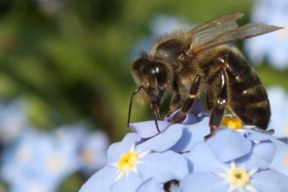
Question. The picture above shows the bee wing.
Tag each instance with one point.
(224, 30)
(214, 27)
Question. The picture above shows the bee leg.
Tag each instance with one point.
(218, 109)
(188, 102)
(176, 98)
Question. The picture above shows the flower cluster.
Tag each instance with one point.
(34, 160)
(180, 159)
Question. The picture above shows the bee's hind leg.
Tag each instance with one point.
(217, 111)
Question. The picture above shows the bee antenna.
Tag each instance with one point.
(130, 104)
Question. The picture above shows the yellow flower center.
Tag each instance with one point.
(232, 122)
(285, 160)
(54, 163)
(285, 129)
(238, 178)
(128, 161)
(87, 156)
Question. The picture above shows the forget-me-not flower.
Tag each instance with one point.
(133, 160)
(13, 120)
(37, 157)
(236, 158)
(231, 161)
(92, 152)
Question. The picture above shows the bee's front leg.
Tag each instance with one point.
(176, 97)
(188, 104)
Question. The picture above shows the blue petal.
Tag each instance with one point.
(149, 185)
(128, 183)
(101, 180)
(132, 138)
(116, 150)
(203, 182)
(192, 134)
(228, 145)
(279, 162)
(164, 166)
(163, 141)
(147, 129)
(198, 107)
(269, 180)
(202, 159)
(258, 135)
(191, 117)
(260, 157)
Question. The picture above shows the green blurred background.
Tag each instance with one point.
(70, 59)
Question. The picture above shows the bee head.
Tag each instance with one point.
(153, 77)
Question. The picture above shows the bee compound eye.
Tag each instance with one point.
(161, 74)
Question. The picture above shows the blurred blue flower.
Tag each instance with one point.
(41, 161)
(18, 155)
(57, 159)
(32, 183)
(13, 120)
(279, 109)
(273, 46)
(164, 24)
(132, 161)
(20, 162)
(39, 157)
(92, 152)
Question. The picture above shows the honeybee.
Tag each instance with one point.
(200, 63)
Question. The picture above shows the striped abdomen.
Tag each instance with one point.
(246, 94)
